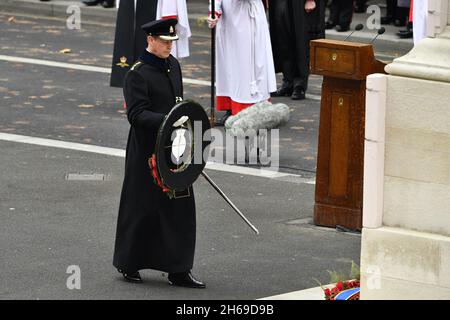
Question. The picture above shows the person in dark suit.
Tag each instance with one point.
(154, 231)
(394, 14)
(293, 24)
(341, 14)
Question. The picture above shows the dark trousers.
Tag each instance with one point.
(391, 8)
(341, 12)
(292, 48)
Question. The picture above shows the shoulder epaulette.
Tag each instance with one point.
(137, 65)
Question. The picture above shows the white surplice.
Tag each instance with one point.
(244, 61)
(178, 8)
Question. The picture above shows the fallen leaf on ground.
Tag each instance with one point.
(66, 50)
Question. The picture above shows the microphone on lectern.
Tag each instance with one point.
(357, 28)
(380, 32)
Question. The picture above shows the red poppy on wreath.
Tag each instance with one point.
(156, 179)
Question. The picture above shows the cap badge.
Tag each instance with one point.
(171, 29)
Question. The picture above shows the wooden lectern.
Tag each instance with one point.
(340, 158)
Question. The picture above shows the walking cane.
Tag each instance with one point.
(213, 65)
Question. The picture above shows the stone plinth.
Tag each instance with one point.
(405, 252)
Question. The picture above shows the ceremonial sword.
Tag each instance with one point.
(229, 202)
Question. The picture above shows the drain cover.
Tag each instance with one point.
(85, 177)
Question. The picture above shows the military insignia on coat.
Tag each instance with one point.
(123, 62)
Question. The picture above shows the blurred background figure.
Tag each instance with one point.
(130, 40)
(293, 23)
(176, 9)
(104, 3)
(244, 67)
(131, 15)
(341, 13)
(405, 8)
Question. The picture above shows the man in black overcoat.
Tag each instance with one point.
(293, 23)
(130, 39)
(153, 230)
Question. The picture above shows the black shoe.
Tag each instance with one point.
(284, 91)
(134, 277)
(221, 122)
(298, 94)
(108, 4)
(340, 28)
(405, 34)
(185, 279)
(330, 25)
(92, 2)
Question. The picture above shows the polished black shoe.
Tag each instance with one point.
(134, 277)
(221, 122)
(284, 91)
(298, 94)
(185, 279)
(92, 2)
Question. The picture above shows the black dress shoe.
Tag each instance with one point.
(341, 28)
(405, 34)
(330, 25)
(92, 2)
(284, 91)
(221, 122)
(185, 279)
(134, 277)
(298, 94)
(108, 4)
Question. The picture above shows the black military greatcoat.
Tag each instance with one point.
(291, 29)
(153, 231)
